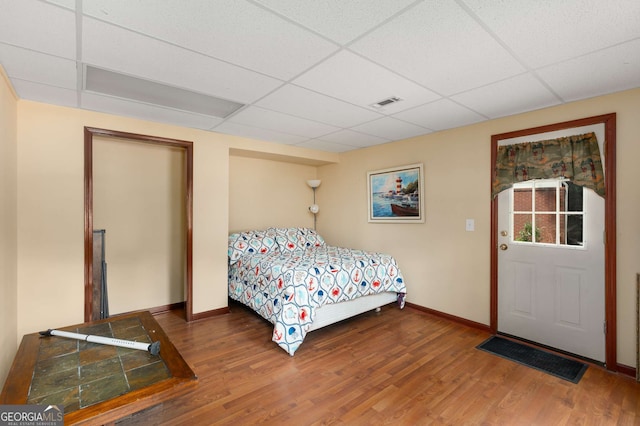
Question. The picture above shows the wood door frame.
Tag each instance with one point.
(609, 121)
(89, 134)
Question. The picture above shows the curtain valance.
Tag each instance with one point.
(576, 158)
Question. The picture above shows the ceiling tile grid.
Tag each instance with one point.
(439, 46)
(308, 104)
(280, 122)
(338, 20)
(309, 72)
(545, 32)
(235, 31)
(507, 97)
(354, 79)
(391, 128)
(45, 93)
(323, 145)
(118, 49)
(440, 115)
(39, 67)
(34, 25)
(353, 138)
(605, 71)
(237, 129)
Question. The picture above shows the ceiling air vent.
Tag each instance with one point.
(136, 89)
(386, 102)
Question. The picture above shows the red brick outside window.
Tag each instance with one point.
(546, 214)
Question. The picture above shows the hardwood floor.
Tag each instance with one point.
(392, 367)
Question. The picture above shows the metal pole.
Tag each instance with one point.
(152, 348)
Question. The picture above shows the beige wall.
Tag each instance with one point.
(50, 205)
(8, 226)
(139, 200)
(264, 193)
(447, 268)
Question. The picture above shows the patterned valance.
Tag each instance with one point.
(576, 158)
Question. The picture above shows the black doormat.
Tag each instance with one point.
(546, 362)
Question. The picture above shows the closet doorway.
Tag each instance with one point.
(136, 255)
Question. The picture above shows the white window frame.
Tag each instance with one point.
(546, 183)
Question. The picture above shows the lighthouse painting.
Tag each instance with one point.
(396, 195)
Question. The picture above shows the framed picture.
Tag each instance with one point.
(396, 195)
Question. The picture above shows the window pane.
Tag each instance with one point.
(545, 199)
(558, 212)
(522, 227)
(574, 192)
(522, 199)
(546, 228)
(574, 233)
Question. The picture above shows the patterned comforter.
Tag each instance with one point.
(285, 274)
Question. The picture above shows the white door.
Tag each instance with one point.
(551, 266)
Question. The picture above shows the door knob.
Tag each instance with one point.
(503, 246)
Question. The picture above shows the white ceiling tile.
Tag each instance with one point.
(508, 97)
(316, 66)
(440, 115)
(44, 93)
(547, 31)
(391, 128)
(276, 121)
(38, 26)
(69, 4)
(338, 20)
(116, 49)
(38, 67)
(325, 146)
(359, 81)
(349, 137)
(142, 111)
(231, 30)
(439, 46)
(257, 133)
(605, 71)
(304, 103)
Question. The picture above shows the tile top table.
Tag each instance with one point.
(93, 380)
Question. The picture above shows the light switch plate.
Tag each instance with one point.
(470, 225)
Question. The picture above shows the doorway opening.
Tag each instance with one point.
(187, 147)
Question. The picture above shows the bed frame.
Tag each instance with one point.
(329, 314)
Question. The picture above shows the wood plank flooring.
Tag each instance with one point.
(399, 367)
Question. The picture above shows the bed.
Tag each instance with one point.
(292, 278)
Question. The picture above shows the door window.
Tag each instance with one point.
(548, 212)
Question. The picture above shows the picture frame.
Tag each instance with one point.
(396, 194)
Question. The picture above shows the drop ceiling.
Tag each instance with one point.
(310, 72)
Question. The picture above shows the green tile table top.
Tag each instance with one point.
(91, 377)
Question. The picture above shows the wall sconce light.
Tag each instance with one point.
(314, 208)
